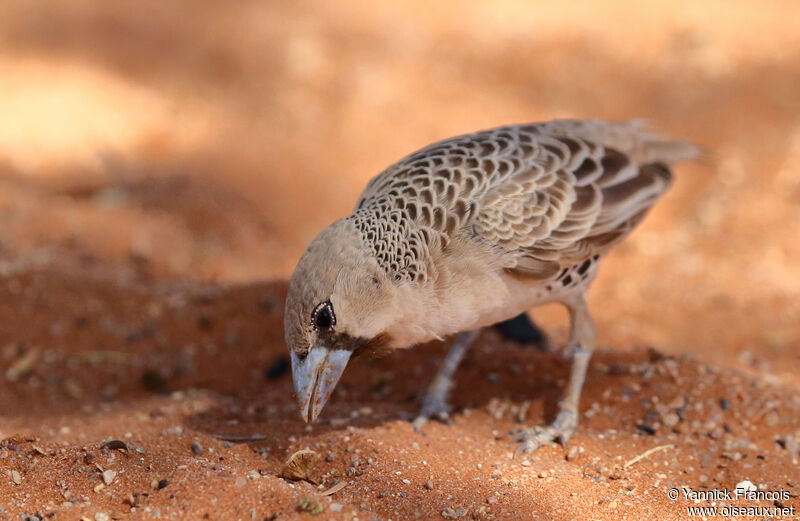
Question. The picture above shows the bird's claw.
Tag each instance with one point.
(433, 408)
(560, 430)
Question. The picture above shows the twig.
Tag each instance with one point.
(334, 489)
(240, 439)
(646, 453)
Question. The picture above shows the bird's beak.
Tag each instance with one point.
(315, 376)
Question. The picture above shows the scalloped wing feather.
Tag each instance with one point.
(545, 196)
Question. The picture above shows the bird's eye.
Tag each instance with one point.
(322, 317)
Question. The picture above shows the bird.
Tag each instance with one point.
(468, 232)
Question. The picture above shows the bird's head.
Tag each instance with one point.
(340, 304)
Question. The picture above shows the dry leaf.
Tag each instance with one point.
(300, 465)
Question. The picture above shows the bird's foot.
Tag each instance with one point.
(560, 430)
(434, 407)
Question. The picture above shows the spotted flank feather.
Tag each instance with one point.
(549, 196)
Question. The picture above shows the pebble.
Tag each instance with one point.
(15, 477)
(197, 449)
(671, 419)
(108, 476)
(793, 445)
(449, 513)
(336, 507)
(101, 516)
(429, 485)
(772, 419)
(114, 445)
(706, 461)
(646, 429)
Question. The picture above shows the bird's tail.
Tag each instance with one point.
(630, 137)
(656, 148)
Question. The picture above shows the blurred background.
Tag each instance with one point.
(210, 141)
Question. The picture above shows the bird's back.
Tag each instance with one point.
(545, 197)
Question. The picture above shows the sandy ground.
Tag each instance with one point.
(162, 168)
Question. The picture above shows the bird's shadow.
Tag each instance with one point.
(375, 392)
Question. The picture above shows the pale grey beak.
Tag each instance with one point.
(315, 376)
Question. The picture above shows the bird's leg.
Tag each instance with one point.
(435, 405)
(581, 344)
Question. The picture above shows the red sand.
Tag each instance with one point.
(201, 150)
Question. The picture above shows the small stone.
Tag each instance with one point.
(449, 513)
(15, 477)
(429, 485)
(161, 484)
(114, 445)
(310, 506)
(197, 449)
(671, 419)
(646, 429)
(336, 507)
(492, 500)
(772, 418)
(525, 463)
(612, 504)
(677, 403)
(706, 461)
(101, 516)
(108, 476)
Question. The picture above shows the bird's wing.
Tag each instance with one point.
(547, 196)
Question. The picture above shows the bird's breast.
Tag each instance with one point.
(471, 290)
